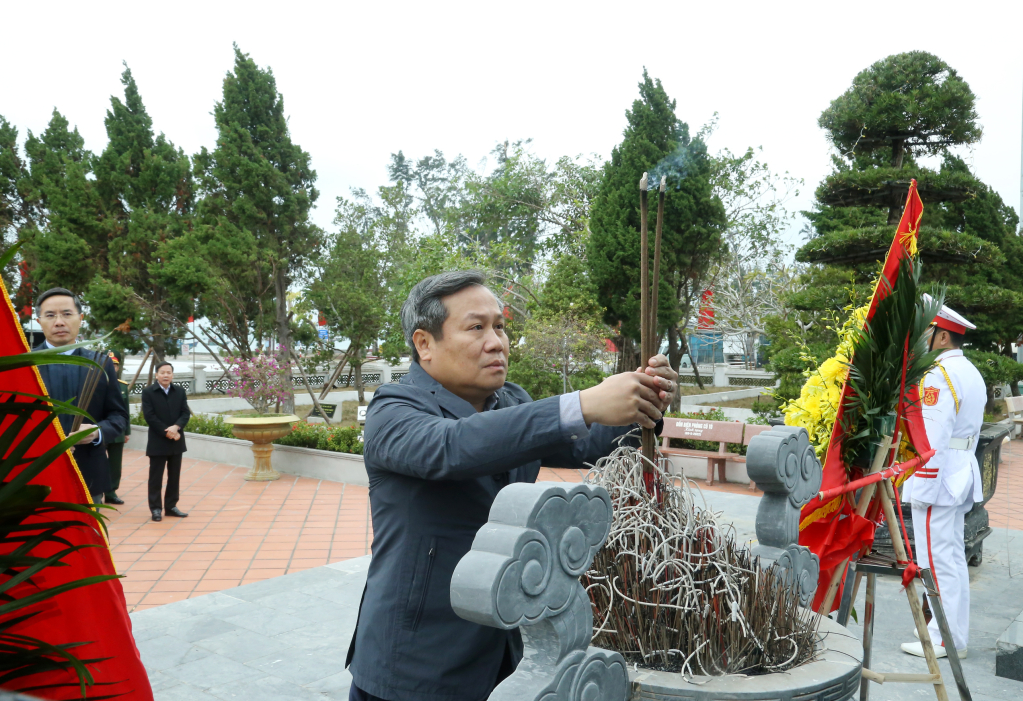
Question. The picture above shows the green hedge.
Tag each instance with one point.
(338, 439)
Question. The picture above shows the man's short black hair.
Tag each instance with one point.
(957, 339)
(423, 309)
(161, 364)
(57, 292)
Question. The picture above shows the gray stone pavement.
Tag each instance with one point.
(282, 638)
(287, 637)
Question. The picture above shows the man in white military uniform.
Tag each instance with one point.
(941, 492)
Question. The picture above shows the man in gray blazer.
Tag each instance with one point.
(439, 445)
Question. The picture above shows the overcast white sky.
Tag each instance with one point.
(363, 80)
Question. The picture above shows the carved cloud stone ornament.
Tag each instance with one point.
(784, 465)
(523, 572)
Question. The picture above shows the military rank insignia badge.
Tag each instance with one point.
(931, 395)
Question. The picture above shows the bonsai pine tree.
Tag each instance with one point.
(897, 112)
(658, 142)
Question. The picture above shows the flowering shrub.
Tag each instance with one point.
(817, 406)
(259, 380)
(339, 439)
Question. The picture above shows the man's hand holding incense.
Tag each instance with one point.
(90, 438)
(667, 379)
(621, 400)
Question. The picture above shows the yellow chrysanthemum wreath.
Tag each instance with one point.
(817, 406)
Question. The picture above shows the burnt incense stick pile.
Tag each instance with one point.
(672, 590)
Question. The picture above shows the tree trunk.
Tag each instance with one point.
(358, 382)
(686, 350)
(284, 337)
(675, 360)
(159, 339)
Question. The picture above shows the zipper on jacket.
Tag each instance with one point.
(426, 583)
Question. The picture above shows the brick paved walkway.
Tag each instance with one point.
(239, 532)
(1005, 510)
(236, 532)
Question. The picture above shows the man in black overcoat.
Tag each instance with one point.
(439, 446)
(59, 314)
(167, 413)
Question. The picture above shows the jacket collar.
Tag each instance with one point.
(453, 403)
(951, 353)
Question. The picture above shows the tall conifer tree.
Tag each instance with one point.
(13, 210)
(658, 142)
(64, 240)
(145, 184)
(258, 185)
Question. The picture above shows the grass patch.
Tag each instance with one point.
(763, 402)
(689, 390)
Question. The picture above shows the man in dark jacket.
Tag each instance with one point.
(59, 314)
(167, 413)
(439, 446)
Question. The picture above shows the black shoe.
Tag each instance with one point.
(157, 516)
(175, 511)
(112, 498)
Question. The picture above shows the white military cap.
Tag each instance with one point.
(950, 320)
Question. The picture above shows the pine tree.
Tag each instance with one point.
(899, 109)
(145, 184)
(65, 241)
(13, 209)
(258, 186)
(656, 141)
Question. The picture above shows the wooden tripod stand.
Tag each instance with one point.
(871, 566)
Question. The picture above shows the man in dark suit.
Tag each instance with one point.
(59, 314)
(439, 446)
(167, 413)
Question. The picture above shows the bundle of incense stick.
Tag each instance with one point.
(89, 387)
(672, 589)
(648, 296)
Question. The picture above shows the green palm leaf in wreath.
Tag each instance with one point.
(900, 323)
(30, 525)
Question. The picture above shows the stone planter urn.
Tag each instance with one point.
(261, 430)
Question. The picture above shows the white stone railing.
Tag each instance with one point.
(214, 380)
(727, 376)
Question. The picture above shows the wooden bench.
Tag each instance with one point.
(721, 432)
(1014, 408)
(724, 432)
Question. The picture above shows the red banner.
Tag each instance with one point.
(95, 614)
(832, 530)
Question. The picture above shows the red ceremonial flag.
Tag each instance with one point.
(833, 531)
(95, 614)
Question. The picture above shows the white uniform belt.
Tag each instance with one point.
(960, 443)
